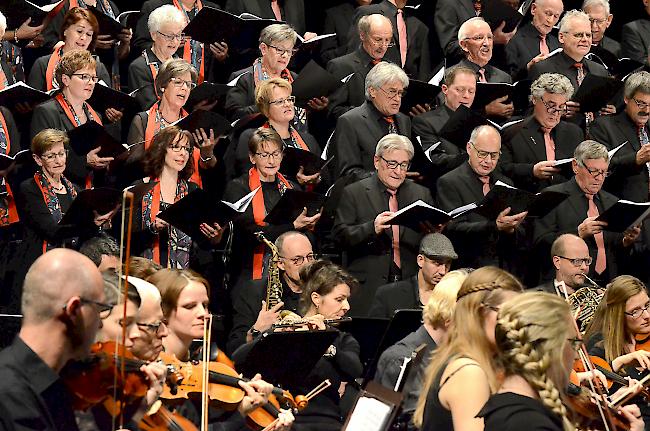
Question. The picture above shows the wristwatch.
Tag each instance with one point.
(254, 332)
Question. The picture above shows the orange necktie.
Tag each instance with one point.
(276, 10)
(601, 257)
(543, 47)
(486, 184)
(550, 145)
(393, 206)
(401, 32)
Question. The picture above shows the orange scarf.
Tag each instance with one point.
(187, 45)
(295, 136)
(54, 60)
(10, 214)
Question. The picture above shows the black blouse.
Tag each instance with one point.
(513, 412)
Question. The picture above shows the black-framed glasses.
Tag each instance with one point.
(179, 83)
(393, 164)
(552, 109)
(154, 328)
(265, 156)
(51, 156)
(291, 100)
(494, 155)
(86, 77)
(638, 312)
(576, 343)
(640, 104)
(178, 148)
(577, 262)
(299, 260)
(283, 51)
(392, 93)
(595, 173)
(171, 37)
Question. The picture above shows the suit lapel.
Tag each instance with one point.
(628, 132)
(537, 148)
(469, 7)
(376, 195)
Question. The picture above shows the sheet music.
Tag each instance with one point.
(369, 414)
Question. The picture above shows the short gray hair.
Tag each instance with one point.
(365, 23)
(163, 15)
(173, 68)
(462, 30)
(590, 150)
(570, 16)
(591, 3)
(392, 142)
(553, 83)
(638, 82)
(480, 129)
(3, 23)
(277, 33)
(385, 72)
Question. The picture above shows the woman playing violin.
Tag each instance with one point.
(536, 343)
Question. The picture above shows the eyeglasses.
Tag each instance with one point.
(299, 260)
(480, 37)
(86, 78)
(51, 156)
(380, 42)
(178, 148)
(576, 343)
(581, 35)
(494, 155)
(577, 262)
(552, 109)
(638, 312)
(171, 37)
(640, 104)
(392, 93)
(491, 307)
(179, 83)
(393, 164)
(101, 307)
(595, 173)
(265, 156)
(282, 51)
(290, 100)
(598, 21)
(153, 327)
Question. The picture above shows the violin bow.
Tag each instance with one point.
(314, 392)
(207, 336)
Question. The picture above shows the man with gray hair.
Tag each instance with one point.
(531, 147)
(479, 240)
(376, 251)
(358, 130)
(631, 163)
(376, 35)
(577, 214)
(601, 18)
(434, 261)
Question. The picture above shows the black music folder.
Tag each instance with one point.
(413, 215)
(517, 93)
(419, 93)
(617, 67)
(624, 215)
(291, 205)
(502, 196)
(105, 97)
(20, 92)
(458, 128)
(595, 92)
(107, 25)
(497, 11)
(100, 200)
(313, 81)
(129, 18)
(18, 11)
(20, 157)
(91, 135)
(205, 120)
(206, 91)
(294, 158)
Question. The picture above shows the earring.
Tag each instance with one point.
(162, 90)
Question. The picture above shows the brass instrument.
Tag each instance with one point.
(584, 302)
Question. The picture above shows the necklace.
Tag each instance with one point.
(59, 188)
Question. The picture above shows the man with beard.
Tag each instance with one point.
(251, 315)
(571, 260)
(434, 261)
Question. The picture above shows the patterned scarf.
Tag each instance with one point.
(8, 213)
(193, 49)
(51, 199)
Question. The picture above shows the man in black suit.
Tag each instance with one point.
(434, 261)
(377, 252)
(635, 37)
(376, 34)
(629, 165)
(476, 41)
(358, 130)
(459, 88)
(450, 14)
(414, 57)
(251, 316)
(534, 41)
(578, 213)
(290, 11)
(338, 20)
(531, 147)
(601, 19)
(571, 260)
(479, 241)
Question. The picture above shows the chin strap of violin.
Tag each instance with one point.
(205, 399)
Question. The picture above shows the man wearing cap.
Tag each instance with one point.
(434, 259)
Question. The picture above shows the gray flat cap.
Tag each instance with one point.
(437, 245)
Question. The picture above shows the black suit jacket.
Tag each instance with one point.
(450, 14)
(492, 74)
(338, 19)
(36, 77)
(548, 287)
(418, 57)
(635, 40)
(523, 146)
(628, 180)
(141, 79)
(369, 256)
(352, 93)
(566, 217)
(356, 136)
(293, 11)
(562, 63)
(611, 45)
(391, 297)
(475, 238)
(523, 47)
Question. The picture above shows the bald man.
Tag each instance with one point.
(571, 260)
(151, 322)
(62, 298)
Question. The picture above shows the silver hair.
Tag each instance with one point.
(570, 16)
(590, 3)
(638, 82)
(277, 33)
(392, 142)
(385, 72)
(462, 31)
(553, 83)
(162, 15)
(479, 129)
(365, 23)
(590, 150)
(3, 23)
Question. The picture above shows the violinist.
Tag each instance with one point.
(536, 343)
(61, 305)
(466, 359)
(152, 325)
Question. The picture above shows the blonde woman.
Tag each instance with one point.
(461, 375)
(537, 344)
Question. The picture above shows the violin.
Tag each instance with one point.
(587, 411)
(160, 418)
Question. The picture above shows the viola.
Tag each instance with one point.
(162, 419)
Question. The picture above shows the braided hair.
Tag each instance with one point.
(531, 335)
